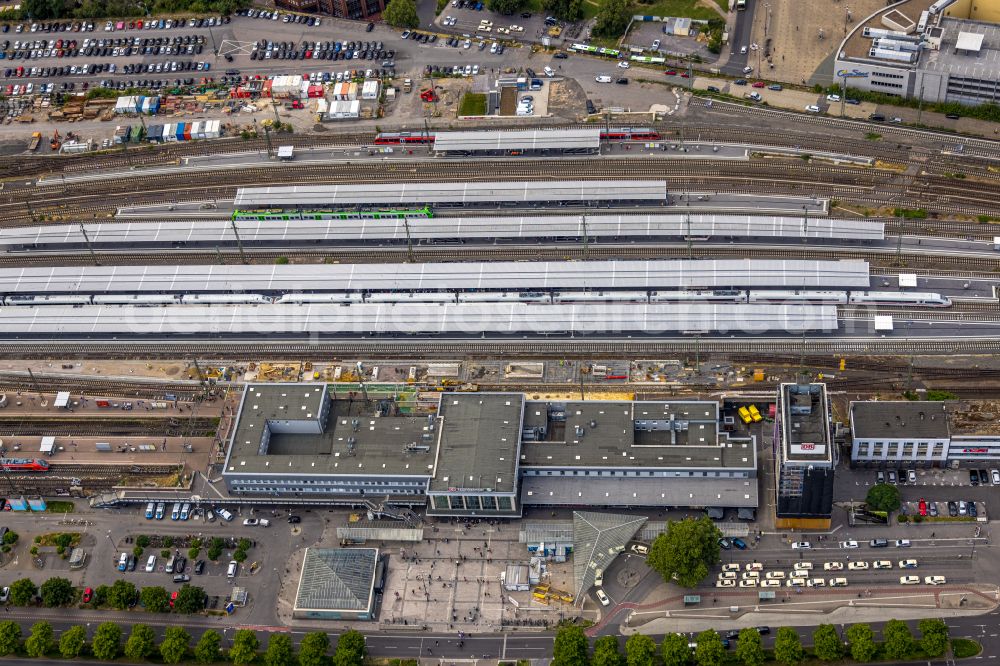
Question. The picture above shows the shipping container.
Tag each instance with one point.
(155, 133)
(170, 132)
(187, 131)
(179, 134)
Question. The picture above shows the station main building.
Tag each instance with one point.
(486, 454)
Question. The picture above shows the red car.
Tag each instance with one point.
(173, 597)
(758, 84)
(923, 507)
(88, 594)
(685, 75)
(671, 72)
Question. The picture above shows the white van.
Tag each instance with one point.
(123, 562)
(151, 564)
(602, 78)
(175, 511)
(231, 571)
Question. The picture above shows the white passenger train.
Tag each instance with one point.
(789, 297)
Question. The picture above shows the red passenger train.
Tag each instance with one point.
(24, 465)
(403, 138)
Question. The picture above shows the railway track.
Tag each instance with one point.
(479, 348)
(883, 262)
(853, 184)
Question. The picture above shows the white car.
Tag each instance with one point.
(775, 575)
(816, 582)
(751, 575)
(848, 544)
(602, 597)
(725, 583)
(882, 564)
(731, 567)
(909, 580)
(801, 545)
(857, 566)
(656, 44)
(770, 583)
(907, 564)
(516, 28)
(902, 543)
(805, 566)
(623, 65)
(549, 72)
(754, 566)
(934, 580)
(749, 583)
(812, 108)
(467, 43)
(838, 582)
(728, 575)
(250, 522)
(795, 582)
(833, 98)
(748, 69)
(833, 566)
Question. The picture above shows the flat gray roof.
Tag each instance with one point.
(983, 64)
(461, 276)
(617, 491)
(379, 446)
(546, 139)
(494, 194)
(805, 429)
(899, 419)
(337, 579)
(610, 434)
(485, 227)
(480, 433)
(178, 321)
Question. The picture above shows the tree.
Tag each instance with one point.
(568, 10)
(897, 639)
(505, 7)
(570, 647)
(350, 650)
(788, 647)
(209, 648)
(43, 9)
(240, 555)
(41, 640)
(883, 497)
(827, 644)
(640, 650)
(685, 552)
(57, 592)
(612, 20)
(401, 14)
(100, 596)
(933, 637)
(245, 646)
(10, 637)
(22, 592)
(606, 652)
(279, 651)
(154, 599)
(675, 650)
(175, 643)
(121, 594)
(190, 599)
(709, 651)
(107, 644)
(748, 647)
(313, 648)
(862, 640)
(141, 643)
(72, 641)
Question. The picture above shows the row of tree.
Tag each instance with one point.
(109, 643)
(710, 649)
(91, 9)
(57, 592)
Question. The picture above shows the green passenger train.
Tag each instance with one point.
(393, 213)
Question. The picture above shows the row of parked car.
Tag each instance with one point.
(165, 24)
(268, 15)
(323, 50)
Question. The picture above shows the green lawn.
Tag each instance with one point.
(688, 8)
(473, 104)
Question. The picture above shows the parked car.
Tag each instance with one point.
(199, 567)
(602, 597)
(801, 545)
